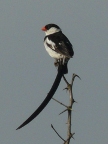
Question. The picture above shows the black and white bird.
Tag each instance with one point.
(57, 45)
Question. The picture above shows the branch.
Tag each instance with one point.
(57, 133)
(68, 108)
(71, 101)
(60, 103)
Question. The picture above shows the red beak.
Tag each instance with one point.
(43, 29)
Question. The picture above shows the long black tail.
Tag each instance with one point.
(65, 69)
(48, 97)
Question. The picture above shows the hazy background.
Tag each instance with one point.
(27, 71)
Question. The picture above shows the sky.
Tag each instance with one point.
(27, 71)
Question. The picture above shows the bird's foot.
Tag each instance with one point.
(56, 63)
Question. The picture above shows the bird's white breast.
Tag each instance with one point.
(51, 51)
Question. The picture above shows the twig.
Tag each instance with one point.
(63, 111)
(71, 101)
(57, 132)
(60, 103)
(68, 108)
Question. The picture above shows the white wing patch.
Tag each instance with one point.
(51, 49)
(50, 43)
(60, 43)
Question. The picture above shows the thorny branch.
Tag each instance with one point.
(68, 108)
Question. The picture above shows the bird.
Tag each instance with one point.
(58, 47)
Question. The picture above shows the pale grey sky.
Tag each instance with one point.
(27, 71)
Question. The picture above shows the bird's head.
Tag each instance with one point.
(50, 29)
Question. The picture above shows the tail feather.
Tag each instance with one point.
(65, 69)
(48, 98)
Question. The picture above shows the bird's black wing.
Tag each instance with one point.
(48, 97)
(61, 44)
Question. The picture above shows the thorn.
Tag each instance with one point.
(74, 101)
(72, 135)
(68, 87)
(65, 88)
(75, 75)
(63, 111)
